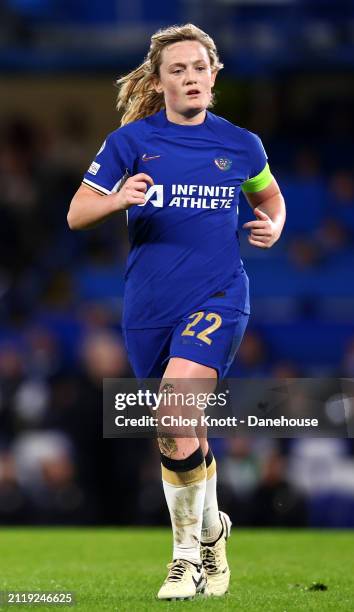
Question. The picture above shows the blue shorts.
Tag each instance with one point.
(210, 336)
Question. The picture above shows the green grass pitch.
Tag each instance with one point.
(122, 569)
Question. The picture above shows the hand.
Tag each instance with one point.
(133, 191)
(263, 232)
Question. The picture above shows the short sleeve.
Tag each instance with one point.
(112, 163)
(256, 155)
(259, 175)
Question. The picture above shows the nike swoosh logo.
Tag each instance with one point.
(197, 582)
(147, 157)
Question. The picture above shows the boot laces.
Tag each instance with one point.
(177, 570)
(211, 560)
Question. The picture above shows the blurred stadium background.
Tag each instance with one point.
(289, 77)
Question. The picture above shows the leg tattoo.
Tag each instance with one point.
(168, 446)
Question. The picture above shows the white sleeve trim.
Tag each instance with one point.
(98, 187)
(114, 189)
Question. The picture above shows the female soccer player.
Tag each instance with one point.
(177, 170)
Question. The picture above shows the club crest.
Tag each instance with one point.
(223, 163)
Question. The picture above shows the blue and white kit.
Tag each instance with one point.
(186, 291)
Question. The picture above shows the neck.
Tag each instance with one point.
(193, 119)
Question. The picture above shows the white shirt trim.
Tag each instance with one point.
(98, 187)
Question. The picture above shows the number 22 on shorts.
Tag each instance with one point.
(205, 333)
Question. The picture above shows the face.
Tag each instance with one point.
(186, 79)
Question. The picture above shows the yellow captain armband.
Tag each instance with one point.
(259, 182)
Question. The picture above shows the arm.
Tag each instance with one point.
(89, 207)
(269, 207)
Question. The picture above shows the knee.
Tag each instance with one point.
(177, 448)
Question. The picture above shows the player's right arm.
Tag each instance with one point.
(89, 207)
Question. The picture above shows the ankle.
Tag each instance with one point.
(212, 534)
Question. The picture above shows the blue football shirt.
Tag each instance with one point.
(184, 241)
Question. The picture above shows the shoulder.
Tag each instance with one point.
(234, 131)
(135, 129)
(127, 139)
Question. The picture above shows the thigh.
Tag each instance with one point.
(179, 367)
(209, 338)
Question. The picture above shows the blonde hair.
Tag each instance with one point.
(137, 97)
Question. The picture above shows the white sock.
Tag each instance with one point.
(211, 526)
(185, 504)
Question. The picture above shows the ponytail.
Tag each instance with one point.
(137, 97)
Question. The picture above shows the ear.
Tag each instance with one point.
(213, 77)
(157, 85)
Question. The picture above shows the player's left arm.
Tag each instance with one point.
(269, 208)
